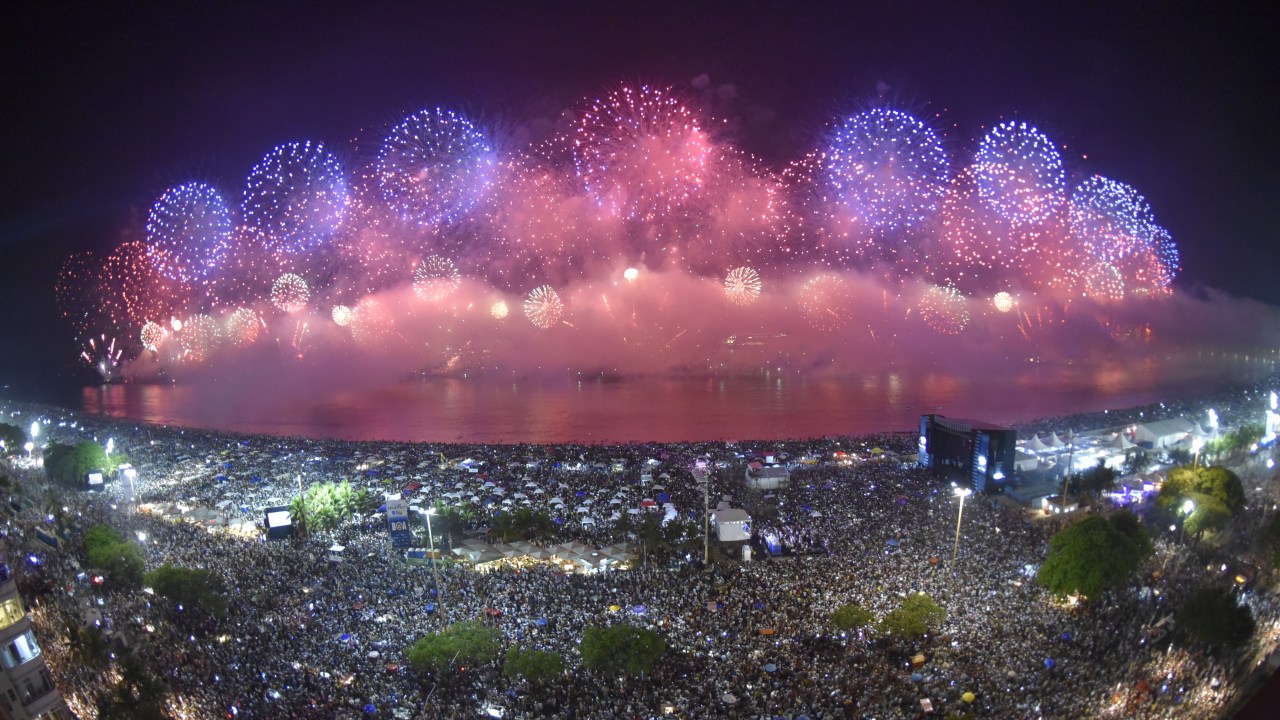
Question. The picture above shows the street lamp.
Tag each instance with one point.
(961, 493)
(1188, 507)
(1071, 456)
(435, 568)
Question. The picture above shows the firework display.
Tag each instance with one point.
(296, 196)
(434, 167)
(1003, 301)
(945, 310)
(543, 307)
(826, 302)
(243, 326)
(290, 293)
(888, 167)
(1104, 283)
(370, 324)
(1019, 172)
(641, 154)
(631, 195)
(436, 278)
(742, 286)
(152, 335)
(1112, 219)
(187, 231)
(1166, 253)
(342, 315)
(973, 245)
(199, 337)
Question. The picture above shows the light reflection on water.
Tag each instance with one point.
(671, 409)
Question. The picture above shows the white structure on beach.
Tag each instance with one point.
(766, 477)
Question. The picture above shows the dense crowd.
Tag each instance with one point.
(306, 637)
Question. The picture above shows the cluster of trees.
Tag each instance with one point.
(1093, 481)
(137, 695)
(467, 643)
(655, 537)
(190, 589)
(325, 505)
(1213, 618)
(621, 649)
(522, 524)
(1215, 492)
(1235, 441)
(536, 665)
(916, 616)
(67, 465)
(118, 559)
(452, 520)
(13, 438)
(1094, 555)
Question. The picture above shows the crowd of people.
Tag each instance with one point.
(307, 637)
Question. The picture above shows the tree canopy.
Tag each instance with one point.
(1236, 440)
(522, 524)
(138, 696)
(67, 465)
(120, 560)
(470, 642)
(14, 438)
(916, 616)
(1095, 480)
(1271, 540)
(535, 665)
(1212, 617)
(189, 588)
(621, 648)
(1094, 555)
(851, 617)
(325, 505)
(1200, 484)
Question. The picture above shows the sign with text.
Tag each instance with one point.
(398, 523)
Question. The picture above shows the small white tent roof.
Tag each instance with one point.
(1034, 444)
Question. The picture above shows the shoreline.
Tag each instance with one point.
(1088, 420)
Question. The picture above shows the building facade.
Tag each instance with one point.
(27, 691)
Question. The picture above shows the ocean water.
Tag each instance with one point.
(598, 410)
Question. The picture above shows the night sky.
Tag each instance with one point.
(106, 107)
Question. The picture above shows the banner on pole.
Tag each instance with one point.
(398, 522)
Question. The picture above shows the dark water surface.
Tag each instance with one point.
(488, 410)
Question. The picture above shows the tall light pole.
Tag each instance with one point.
(961, 493)
(706, 522)
(435, 569)
(1071, 456)
(30, 447)
(302, 493)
